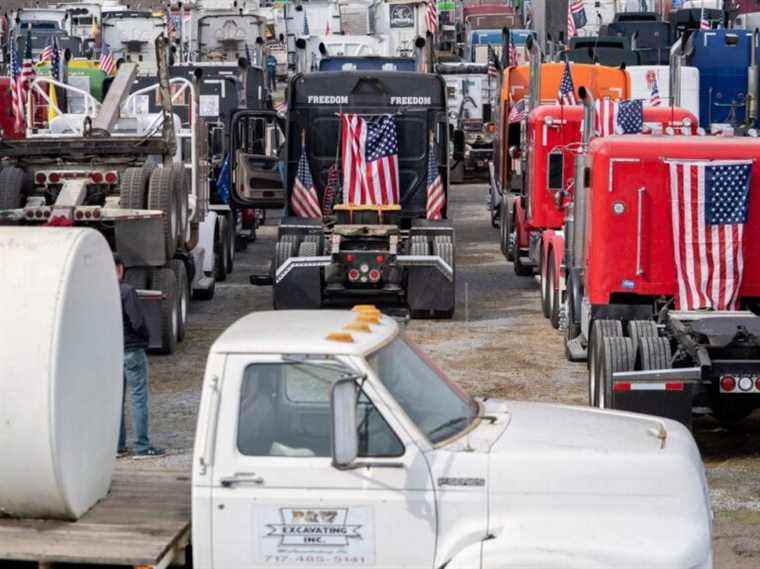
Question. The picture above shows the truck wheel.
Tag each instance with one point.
(653, 353)
(181, 195)
(161, 196)
(544, 287)
(13, 184)
(137, 277)
(220, 250)
(505, 230)
(230, 243)
(521, 269)
(638, 329)
(600, 329)
(132, 188)
(617, 355)
(165, 280)
(553, 300)
(183, 296)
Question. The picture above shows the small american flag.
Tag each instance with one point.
(654, 96)
(566, 94)
(47, 54)
(28, 71)
(630, 116)
(432, 17)
(304, 200)
(17, 91)
(576, 17)
(605, 116)
(171, 25)
(436, 198)
(55, 64)
(513, 58)
(370, 160)
(519, 111)
(709, 209)
(107, 62)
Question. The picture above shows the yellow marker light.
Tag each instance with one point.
(358, 326)
(344, 337)
(364, 307)
(368, 318)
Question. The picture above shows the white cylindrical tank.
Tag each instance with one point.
(61, 354)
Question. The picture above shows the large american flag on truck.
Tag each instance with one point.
(369, 150)
(709, 209)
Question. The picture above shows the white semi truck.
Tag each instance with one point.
(332, 440)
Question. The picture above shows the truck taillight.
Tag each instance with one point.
(727, 383)
(674, 386)
(374, 275)
(353, 275)
(96, 214)
(96, 177)
(745, 383)
(54, 178)
(79, 214)
(40, 178)
(111, 178)
(621, 386)
(349, 258)
(379, 259)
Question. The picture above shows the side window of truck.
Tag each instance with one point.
(285, 411)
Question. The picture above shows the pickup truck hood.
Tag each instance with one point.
(582, 488)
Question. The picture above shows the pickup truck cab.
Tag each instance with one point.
(326, 438)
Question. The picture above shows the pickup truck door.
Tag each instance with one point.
(283, 504)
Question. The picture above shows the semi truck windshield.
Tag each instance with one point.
(438, 407)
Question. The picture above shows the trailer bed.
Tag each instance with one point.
(144, 521)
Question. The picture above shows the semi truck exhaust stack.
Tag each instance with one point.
(578, 233)
(301, 55)
(534, 50)
(419, 54)
(753, 82)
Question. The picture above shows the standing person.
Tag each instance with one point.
(136, 338)
(271, 61)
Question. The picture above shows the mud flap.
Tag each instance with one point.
(429, 290)
(299, 288)
(671, 397)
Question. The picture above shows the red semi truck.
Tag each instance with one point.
(663, 273)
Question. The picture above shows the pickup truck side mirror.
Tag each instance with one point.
(345, 440)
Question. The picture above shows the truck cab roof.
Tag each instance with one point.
(303, 332)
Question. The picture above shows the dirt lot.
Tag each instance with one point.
(498, 345)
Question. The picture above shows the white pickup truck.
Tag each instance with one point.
(327, 439)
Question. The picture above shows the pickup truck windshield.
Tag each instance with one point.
(438, 407)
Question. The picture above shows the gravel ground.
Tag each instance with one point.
(497, 345)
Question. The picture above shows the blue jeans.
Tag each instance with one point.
(136, 379)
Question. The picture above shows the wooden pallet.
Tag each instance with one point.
(144, 522)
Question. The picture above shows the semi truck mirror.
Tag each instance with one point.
(345, 441)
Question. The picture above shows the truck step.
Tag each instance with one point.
(577, 352)
(204, 283)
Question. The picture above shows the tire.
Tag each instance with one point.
(544, 280)
(137, 277)
(505, 230)
(161, 196)
(220, 250)
(181, 192)
(638, 329)
(616, 355)
(165, 280)
(600, 329)
(12, 187)
(653, 353)
(133, 188)
(553, 300)
(229, 237)
(183, 296)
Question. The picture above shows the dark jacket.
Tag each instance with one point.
(136, 333)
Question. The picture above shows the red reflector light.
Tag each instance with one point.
(96, 177)
(674, 386)
(96, 214)
(349, 258)
(55, 178)
(46, 213)
(40, 178)
(379, 259)
(374, 275)
(38, 213)
(88, 214)
(353, 275)
(29, 213)
(79, 214)
(727, 383)
(620, 386)
(111, 178)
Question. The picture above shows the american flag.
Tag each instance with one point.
(17, 90)
(704, 23)
(304, 200)
(519, 111)
(566, 94)
(47, 54)
(332, 189)
(281, 107)
(654, 96)
(513, 59)
(576, 17)
(709, 209)
(432, 17)
(28, 71)
(618, 117)
(436, 198)
(493, 71)
(107, 61)
(171, 25)
(306, 24)
(370, 160)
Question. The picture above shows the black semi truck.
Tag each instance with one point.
(393, 252)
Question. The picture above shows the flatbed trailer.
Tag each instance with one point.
(143, 522)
